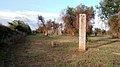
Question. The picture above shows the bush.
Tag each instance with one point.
(20, 26)
(8, 39)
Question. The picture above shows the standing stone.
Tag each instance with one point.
(59, 31)
(82, 32)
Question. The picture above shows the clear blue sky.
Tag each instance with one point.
(52, 6)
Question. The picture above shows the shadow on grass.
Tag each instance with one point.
(106, 39)
(102, 44)
(96, 36)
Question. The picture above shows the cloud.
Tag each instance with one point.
(29, 17)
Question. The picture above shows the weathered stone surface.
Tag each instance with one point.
(82, 32)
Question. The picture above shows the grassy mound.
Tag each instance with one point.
(8, 39)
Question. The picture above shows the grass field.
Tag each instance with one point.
(102, 51)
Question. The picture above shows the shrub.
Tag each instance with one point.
(20, 26)
(8, 39)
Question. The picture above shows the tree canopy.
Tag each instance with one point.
(114, 24)
(48, 27)
(20, 26)
(71, 18)
(109, 8)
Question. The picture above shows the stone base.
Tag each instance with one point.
(82, 48)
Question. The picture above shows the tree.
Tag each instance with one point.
(97, 31)
(48, 27)
(114, 24)
(108, 8)
(42, 20)
(103, 32)
(71, 18)
(42, 27)
(89, 31)
(20, 26)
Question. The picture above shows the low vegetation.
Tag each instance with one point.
(9, 38)
(102, 51)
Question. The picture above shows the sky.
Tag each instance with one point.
(28, 10)
(52, 6)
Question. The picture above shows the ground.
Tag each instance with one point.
(102, 51)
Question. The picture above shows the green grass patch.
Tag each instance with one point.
(102, 51)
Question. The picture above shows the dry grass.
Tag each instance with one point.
(37, 52)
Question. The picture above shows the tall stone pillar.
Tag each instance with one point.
(82, 32)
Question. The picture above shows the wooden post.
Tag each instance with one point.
(82, 32)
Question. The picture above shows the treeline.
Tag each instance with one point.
(70, 18)
(49, 27)
(10, 35)
(70, 25)
(110, 13)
